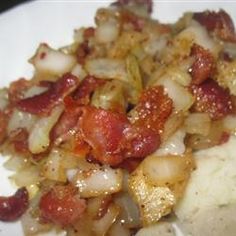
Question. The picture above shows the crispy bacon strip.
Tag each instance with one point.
(86, 88)
(82, 52)
(153, 108)
(113, 138)
(219, 23)
(62, 205)
(13, 207)
(103, 131)
(212, 99)
(43, 103)
(203, 65)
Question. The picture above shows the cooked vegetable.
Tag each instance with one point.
(103, 139)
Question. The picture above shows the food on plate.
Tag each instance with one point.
(128, 130)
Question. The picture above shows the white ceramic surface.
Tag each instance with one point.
(53, 21)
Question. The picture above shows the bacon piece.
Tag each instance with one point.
(85, 89)
(82, 52)
(153, 108)
(13, 207)
(3, 126)
(139, 142)
(89, 32)
(129, 164)
(203, 65)
(20, 140)
(113, 138)
(17, 88)
(66, 126)
(43, 103)
(219, 23)
(103, 131)
(212, 99)
(62, 205)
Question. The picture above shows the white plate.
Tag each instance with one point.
(24, 27)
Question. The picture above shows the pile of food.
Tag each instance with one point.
(114, 133)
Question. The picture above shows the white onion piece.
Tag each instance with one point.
(71, 173)
(160, 229)
(167, 170)
(32, 226)
(174, 145)
(129, 215)
(153, 201)
(155, 45)
(26, 177)
(118, 229)
(20, 119)
(229, 123)
(52, 61)
(173, 123)
(99, 181)
(199, 35)
(107, 32)
(107, 68)
(34, 90)
(53, 168)
(3, 99)
(15, 163)
(60, 165)
(39, 136)
(182, 98)
(79, 72)
(198, 123)
(101, 226)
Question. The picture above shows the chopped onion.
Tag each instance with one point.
(15, 163)
(60, 166)
(174, 145)
(198, 123)
(53, 169)
(229, 123)
(153, 201)
(99, 181)
(26, 177)
(101, 226)
(34, 90)
(39, 139)
(199, 35)
(79, 72)
(129, 215)
(155, 45)
(182, 98)
(171, 125)
(20, 119)
(52, 61)
(214, 137)
(110, 96)
(107, 32)
(118, 229)
(167, 170)
(107, 68)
